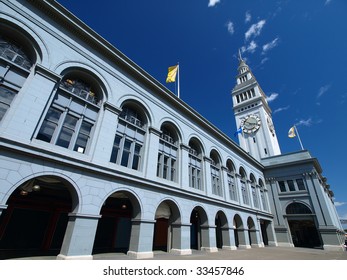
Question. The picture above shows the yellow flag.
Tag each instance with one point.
(291, 132)
(171, 75)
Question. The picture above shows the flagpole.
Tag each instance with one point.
(302, 147)
(178, 79)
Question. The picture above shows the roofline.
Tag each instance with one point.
(58, 13)
(293, 162)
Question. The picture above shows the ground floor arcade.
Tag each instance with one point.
(51, 214)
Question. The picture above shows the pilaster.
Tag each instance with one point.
(141, 239)
(152, 153)
(79, 237)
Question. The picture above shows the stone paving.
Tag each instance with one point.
(267, 253)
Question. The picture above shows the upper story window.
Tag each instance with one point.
(244, 187)
(195, 165)
(72, 115)
(300, 184)
(215, 174)
(14, 53)
(80, 89)
(254, 191)
(297, 208)
(129, 139)
(15, 67)
(168, 154)
(231, 181)
(263, 195)
(292, 185)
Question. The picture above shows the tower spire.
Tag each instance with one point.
(240, 57)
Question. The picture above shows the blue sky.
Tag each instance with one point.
(297, 51)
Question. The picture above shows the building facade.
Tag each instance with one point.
(97, 156)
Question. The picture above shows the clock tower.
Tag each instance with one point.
(253, 115)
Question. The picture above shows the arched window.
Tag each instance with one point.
(254, 191)
(15, 67)
(297, 208)
(244, 188)
(231, 181)
(71, 117)
(263, 195)
(168, 153)
(129, 139)
(215, 174)
(195, 165)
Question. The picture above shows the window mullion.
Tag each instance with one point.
(57, 131)
(75, 133)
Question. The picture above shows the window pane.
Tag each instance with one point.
(53, 115)
(282, 186)
(6, 95)
(82, 139)
(64, 137)
(86, 128)
(70, 122)
(3, 109)
(301, 185)
(291, 185)
(126, 152)
(136, 159)
(49, 125)
(115, 149)
(46, 131)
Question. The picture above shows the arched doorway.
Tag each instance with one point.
(265, 227)
(221, 224)
(302, 226)
(35, 220)
(166, 215)
(238, 230)
(198, 218)
(114, 227)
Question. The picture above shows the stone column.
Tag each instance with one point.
(243, 238)
(208, 238)
(256, 236)
(79, 237)
(141, 239)
(228, 238)
(181, 239)
(270, 231)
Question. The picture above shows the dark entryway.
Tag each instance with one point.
(114, 226)
(195, 230)
(302, 226)
(304, 233)
(160, 240)
(35, 220)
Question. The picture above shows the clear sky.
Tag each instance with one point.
(297, 51)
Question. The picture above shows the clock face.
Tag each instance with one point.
(250, 124)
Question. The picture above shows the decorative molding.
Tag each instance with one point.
(45, 72)
(112, 108)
